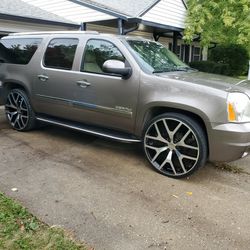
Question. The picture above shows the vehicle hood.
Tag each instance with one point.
(210, 80)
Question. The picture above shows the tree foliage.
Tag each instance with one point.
(219, 21)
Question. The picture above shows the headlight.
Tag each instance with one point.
(238, 107)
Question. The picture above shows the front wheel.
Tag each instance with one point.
(175, 145)
(18, 110)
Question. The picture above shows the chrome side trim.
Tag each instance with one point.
(113, 137)
(98, 108)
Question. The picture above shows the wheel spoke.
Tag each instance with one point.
(21, 121)
(10, 106)
(11, 114)
(158, 138)
(171, 134)
(177, 128)
(189, 157)
(157, 150)
(168, 130)
(185, 137)
(23, 109)
(15, 121)
(173, 168)
(13, 100)
(180, 158)
(184, 145)
(169, 160)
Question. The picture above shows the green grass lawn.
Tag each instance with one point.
(20, 230)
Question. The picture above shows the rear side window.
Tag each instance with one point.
(18, 51)
(60, 53)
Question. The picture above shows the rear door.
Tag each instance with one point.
(54, 86)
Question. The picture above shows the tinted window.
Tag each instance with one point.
(60, 53)
(97, 52)
(18, 51)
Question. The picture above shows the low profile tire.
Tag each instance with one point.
(175, 145)
(19, 112)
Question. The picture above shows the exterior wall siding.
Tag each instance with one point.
(168, 12)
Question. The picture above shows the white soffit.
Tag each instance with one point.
(167, 12)
(71, 11)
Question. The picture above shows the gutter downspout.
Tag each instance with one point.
(126, 31)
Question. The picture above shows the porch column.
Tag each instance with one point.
(120, 27)
(175, 40)
(83, 27)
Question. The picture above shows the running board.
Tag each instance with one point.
(90, 130)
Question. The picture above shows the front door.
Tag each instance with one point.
(105, 99)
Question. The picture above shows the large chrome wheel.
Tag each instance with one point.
(18, 111)
(175, 145)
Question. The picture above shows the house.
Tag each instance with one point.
(161, 20)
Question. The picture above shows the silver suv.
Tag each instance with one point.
(128, 89)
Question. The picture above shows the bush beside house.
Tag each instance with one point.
(229, 60)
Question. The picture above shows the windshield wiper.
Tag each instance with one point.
(177, 68)
(162, 71)
(183, 68)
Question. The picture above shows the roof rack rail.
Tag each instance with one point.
(54, 32)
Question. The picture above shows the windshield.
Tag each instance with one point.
(156, 58)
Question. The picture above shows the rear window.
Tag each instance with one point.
(18, 50)
(60, 53)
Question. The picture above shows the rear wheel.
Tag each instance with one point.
(175, 145)
(18, 111)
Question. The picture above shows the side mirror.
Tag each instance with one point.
(117, 67)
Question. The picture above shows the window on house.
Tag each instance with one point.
(182, 52)
(196, 54)
(96, 53)
(60, 53)
(18, 51)
(178, 51)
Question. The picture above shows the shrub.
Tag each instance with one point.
(236, 56)
(211, 67)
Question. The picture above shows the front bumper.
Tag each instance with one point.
(229, 142)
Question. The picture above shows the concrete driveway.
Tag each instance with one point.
(106, 193)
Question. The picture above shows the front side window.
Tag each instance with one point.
(154, 57)
(18, 50)
(60, 53)
(96, 53)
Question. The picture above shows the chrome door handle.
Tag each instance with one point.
(43, 78)
(83, 84)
